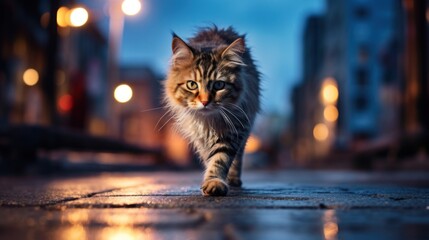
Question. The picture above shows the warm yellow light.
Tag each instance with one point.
(330, 230)
(330, 226)
(126, 232)
(131, 7)
(30, 77)
(62, 17)
(78, 17)
(330, 94)
(320, 132)
(75, 231)
(253, 144)
(329, 91)
(330, 113)
(123, 93)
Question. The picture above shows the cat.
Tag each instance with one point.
(213, 90)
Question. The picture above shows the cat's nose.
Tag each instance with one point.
(205, 103)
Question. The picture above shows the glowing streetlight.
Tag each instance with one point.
(63, 15)
(329, 91)
(123, 93)
(78, 17)
(320, 132)
(330, 113)
(30, 77)
(131, 7)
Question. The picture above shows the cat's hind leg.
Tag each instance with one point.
(234, 174)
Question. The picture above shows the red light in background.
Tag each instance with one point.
(65, 103)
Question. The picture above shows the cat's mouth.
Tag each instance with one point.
(206, 110)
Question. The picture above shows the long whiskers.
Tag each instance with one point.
(151, 109)
(232, 114)
(241, 110)
(228, 122)
(165, 123)
(167, 112)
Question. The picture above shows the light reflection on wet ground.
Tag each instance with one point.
(170, 206)
(330, 226)
(134, 223)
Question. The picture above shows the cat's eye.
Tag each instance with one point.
(191, 85)
(218, 85)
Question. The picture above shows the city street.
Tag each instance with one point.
(107, 109)
(168, 205)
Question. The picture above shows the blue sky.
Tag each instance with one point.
(273, 27)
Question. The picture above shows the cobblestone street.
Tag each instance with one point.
(164, 205)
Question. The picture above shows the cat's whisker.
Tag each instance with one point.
(239, 108)
(165, 123)
(151, 109)
(162, 118)
(232, 114)
(226, 121)
(229, 122)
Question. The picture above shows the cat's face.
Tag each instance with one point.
(207, 80)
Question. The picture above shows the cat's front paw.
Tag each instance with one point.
(214, 187)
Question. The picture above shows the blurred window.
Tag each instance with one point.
(363, 54)
(360, 103)
(362, 77)
(362, 12)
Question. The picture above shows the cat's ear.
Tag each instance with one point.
(233, 54)
(182, 53)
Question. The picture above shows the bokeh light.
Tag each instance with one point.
(65, 103)
(253, 144)
(320, 132)
(330, 113)
(123, 93)
(131, 7)
(78, 17)
(63, 17)
(329, 91)
(30, 77)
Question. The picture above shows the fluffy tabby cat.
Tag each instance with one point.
(213, 90)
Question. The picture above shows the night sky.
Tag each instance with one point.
(274, 31)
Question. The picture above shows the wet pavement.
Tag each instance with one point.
(169, 205)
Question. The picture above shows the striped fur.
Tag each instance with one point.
(213, 91)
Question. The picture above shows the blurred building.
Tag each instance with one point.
(305, 100)
(143, 121)
(23, 44)
(416, 61)
(138, 116)
(353, 93)
(82, 79)
(363, 54)
(50, 74)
